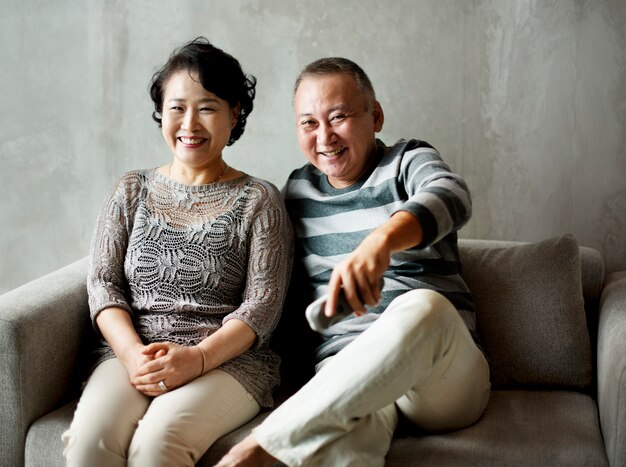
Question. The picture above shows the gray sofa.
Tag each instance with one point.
(552, 326)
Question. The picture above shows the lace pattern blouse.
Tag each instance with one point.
(183, 260)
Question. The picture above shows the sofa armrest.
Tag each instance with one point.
(612, 367)
(43, 328)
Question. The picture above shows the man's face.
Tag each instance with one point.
(336, 131)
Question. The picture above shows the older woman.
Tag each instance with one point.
(189, 267)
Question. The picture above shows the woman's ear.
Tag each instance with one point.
(235, 113)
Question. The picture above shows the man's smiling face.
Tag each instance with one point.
(336, 127)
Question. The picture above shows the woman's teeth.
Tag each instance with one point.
(190, 140)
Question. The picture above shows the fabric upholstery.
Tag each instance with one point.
(521, 426)
(40, 324)
(44, 447)
(518, 428)
(530, 312)
(612, 367)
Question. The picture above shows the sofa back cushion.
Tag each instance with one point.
(530, 311)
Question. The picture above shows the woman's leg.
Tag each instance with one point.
(407, 346)
(106, 418)
(180, 425)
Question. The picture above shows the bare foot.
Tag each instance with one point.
(247, 453)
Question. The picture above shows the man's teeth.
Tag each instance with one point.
(190, 140)
(333, 153)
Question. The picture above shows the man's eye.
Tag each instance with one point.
(207, 109)
(307, 123)
(337, 118)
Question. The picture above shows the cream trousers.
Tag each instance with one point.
(418, 357)
(115, 425)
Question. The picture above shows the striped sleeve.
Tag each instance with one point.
(439, 198)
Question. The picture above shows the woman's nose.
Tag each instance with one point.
(190, 120)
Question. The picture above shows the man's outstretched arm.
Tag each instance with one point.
(360, 273)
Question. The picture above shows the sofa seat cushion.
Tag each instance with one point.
(43, 440)
(530, 311)
(518, 428)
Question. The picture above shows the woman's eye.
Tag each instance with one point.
(207, 109)
(176, 108)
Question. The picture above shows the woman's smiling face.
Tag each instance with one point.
(196, 124)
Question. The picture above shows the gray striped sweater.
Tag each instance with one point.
(330, 223)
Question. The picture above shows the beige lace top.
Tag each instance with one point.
(182, 260)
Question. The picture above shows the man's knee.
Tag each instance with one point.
(422, 308)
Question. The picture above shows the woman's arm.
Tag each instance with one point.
(270, 255)
(117, 328)
(232, 339)
(106, 280)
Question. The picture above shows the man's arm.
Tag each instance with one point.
(360, 273)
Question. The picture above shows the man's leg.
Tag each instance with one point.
(365, 445)
(404, 348)
(456, 393)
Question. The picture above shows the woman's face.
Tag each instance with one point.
(196, 124)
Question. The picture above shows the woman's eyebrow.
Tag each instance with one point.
(203, 100)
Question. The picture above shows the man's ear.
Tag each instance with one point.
(379, 117)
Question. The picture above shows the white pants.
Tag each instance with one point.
(116, 425)
(418, 357)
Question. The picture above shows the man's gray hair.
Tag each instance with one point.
(334, 65)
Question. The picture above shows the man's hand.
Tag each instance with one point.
(360, 273)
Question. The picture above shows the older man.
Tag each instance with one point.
(365, 211)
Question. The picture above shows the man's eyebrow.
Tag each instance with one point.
(341, 107)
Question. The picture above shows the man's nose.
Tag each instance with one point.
(325, 134)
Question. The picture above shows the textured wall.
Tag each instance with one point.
(526, 99)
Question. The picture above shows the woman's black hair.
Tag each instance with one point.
(217, 72)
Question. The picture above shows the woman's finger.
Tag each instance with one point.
(156, 348)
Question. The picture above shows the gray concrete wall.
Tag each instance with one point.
(526, 99)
